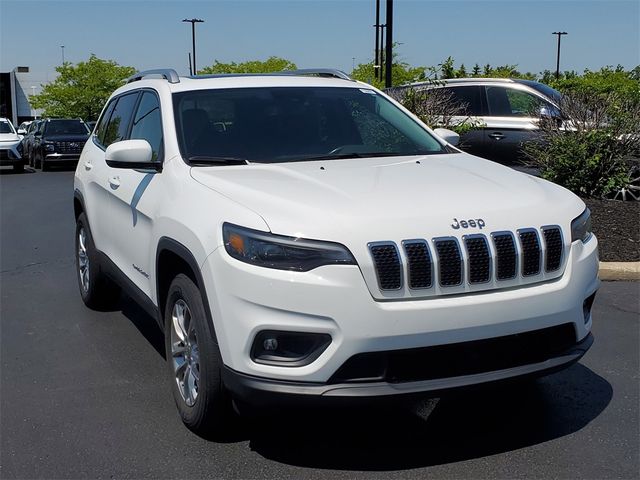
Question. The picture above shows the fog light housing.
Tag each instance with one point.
(288, 349)
(586, 306)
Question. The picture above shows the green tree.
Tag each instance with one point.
(476, 71)
(447, 68)
(271, 64)
(401, 74)
(80, 90)
(462, 71)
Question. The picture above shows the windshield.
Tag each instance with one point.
(66, 127)
(546, 90)
(283, 124)
(6, 127)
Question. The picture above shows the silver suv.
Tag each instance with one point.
(506, 110)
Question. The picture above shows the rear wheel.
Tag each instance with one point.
(18, 167)
(194, 363)
(96, 289)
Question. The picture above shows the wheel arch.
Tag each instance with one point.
(173, 258)
(78, 203)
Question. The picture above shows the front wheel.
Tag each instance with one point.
(194, 362)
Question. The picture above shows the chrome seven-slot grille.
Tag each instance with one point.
(476, 259)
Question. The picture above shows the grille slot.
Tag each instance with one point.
(479, 258)
(69, 147)
(506, 255)
(530, 245)
(419, 263)
(553, 246)
(449, 262)
(387, 263)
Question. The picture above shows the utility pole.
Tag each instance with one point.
(190, 67)
(193, 22)
(559, 34)
(381, 54)
(376, 51)
(389, 48)
(62, 47)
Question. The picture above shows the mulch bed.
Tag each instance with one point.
(617, 226)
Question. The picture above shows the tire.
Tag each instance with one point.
(98, 292)
(194, 364)
(18, 167)
(37, 160)
(43, 164)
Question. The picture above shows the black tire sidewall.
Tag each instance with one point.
(212, 407)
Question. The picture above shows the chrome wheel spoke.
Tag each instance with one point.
(184, 352)
(83, 260)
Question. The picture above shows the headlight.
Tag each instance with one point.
(49, 147)
(581, 227)
(284, 253)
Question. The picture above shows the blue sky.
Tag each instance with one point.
(318, 33)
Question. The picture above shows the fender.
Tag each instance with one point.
(177, 248)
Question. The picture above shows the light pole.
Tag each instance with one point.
(193, 22)
(559, 34)
(388, 60)
(62, 47)
(33, 110)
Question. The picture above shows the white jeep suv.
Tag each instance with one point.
(302, 237)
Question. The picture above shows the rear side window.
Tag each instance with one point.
(119, 120)
(469, 99)
(147, 124)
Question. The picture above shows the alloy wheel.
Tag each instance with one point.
(185, 352)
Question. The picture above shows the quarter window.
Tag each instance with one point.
(147, 124)
(101, 129)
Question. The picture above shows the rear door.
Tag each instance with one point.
(468, 100)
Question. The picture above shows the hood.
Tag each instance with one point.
(66, 138)
(391, 198)
(9, 137)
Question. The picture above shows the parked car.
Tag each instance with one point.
(325, 245)
(505, 109)
(58, 140)
(22, 129)
(10, 148)
(28, 141)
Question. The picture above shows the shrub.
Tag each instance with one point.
(588, 151)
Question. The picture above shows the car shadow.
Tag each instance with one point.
(11, 171)
(463, 425)
(146, 325)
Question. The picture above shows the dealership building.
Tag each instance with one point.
(15, 88)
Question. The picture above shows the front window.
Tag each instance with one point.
(285, 124)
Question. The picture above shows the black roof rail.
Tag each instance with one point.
(168, 74)
(320, 72)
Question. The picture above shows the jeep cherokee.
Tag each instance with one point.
(301, 237)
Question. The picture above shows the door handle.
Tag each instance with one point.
(114, 182)
(496, 135)
(87, 165)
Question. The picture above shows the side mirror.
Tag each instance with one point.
(22, 131)
(448, 136)
(136, 154)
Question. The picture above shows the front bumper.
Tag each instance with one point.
(10, 154)
(62, 157)
(268, 392)
(246, 300)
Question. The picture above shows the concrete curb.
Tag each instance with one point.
(619, 271)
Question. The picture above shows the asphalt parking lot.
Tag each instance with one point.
(85, 394)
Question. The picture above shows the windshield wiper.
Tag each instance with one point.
(338, 156)
(200, 160)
